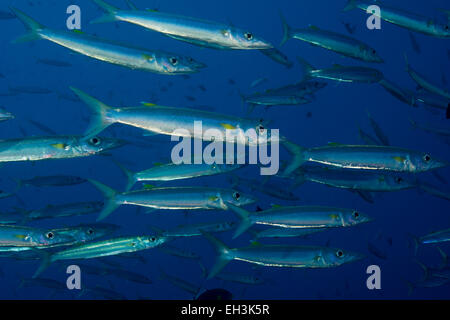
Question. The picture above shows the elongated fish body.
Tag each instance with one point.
(444, 132)
(436, 237)
(339, 43)
(433, 100)
(87, 232)
(112, 52)
(195, 229)
(17, 236)
(65, 210)
(405, 19)
(58, 147)
(57, 180)
(280, 256)
(177, 198)
(357, 179)
(108, 247)
(422, 82)
(308, 217)
(401, 94)
(170, 172)
(363, 157)
(176, 122)
(300, 217)
(99, 249)
(277, 100)
(196, 31)
(348, 74)
(5, 115)
(240, 278)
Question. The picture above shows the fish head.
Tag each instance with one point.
(369, 54)
(176, 64)
(51, 237)
(236, 198)
(153, 241)
(336, 257)
(246, 39)
(354, 217)
(94, 145)
(420, 162)
(5, 115)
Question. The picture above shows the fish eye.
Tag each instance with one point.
(339, 253)
(426, 158)
(248, 36)
(173, 61)
(50, 235)
(95, 141)
(356, 214)
(152, 239)
(399, 179)
(374, 51)
(236, 196)
(260, 129)
(90, 231)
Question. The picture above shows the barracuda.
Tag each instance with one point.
(58, 147)
(109, 51)
(169, 121)
(405, 19)
(280, 256)
(342, 73)
(174, 198)
(195, 31)
(18, 236)
(298, 217)
(172, 172)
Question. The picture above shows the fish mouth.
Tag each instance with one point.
(262, 45)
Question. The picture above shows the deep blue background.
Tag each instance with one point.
(336, 114)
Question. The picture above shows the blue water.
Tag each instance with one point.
(337, 112)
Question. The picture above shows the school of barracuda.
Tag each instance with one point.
(376, 166)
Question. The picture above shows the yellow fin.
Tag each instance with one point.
(61, 146)
(158, 164)
(148, 104)
(78, 31)
(334, 216)
(228, 126)
(148, 186)
(276, 206)
(213, 198)
(20, 236)
(148, 57)
(399, 159)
